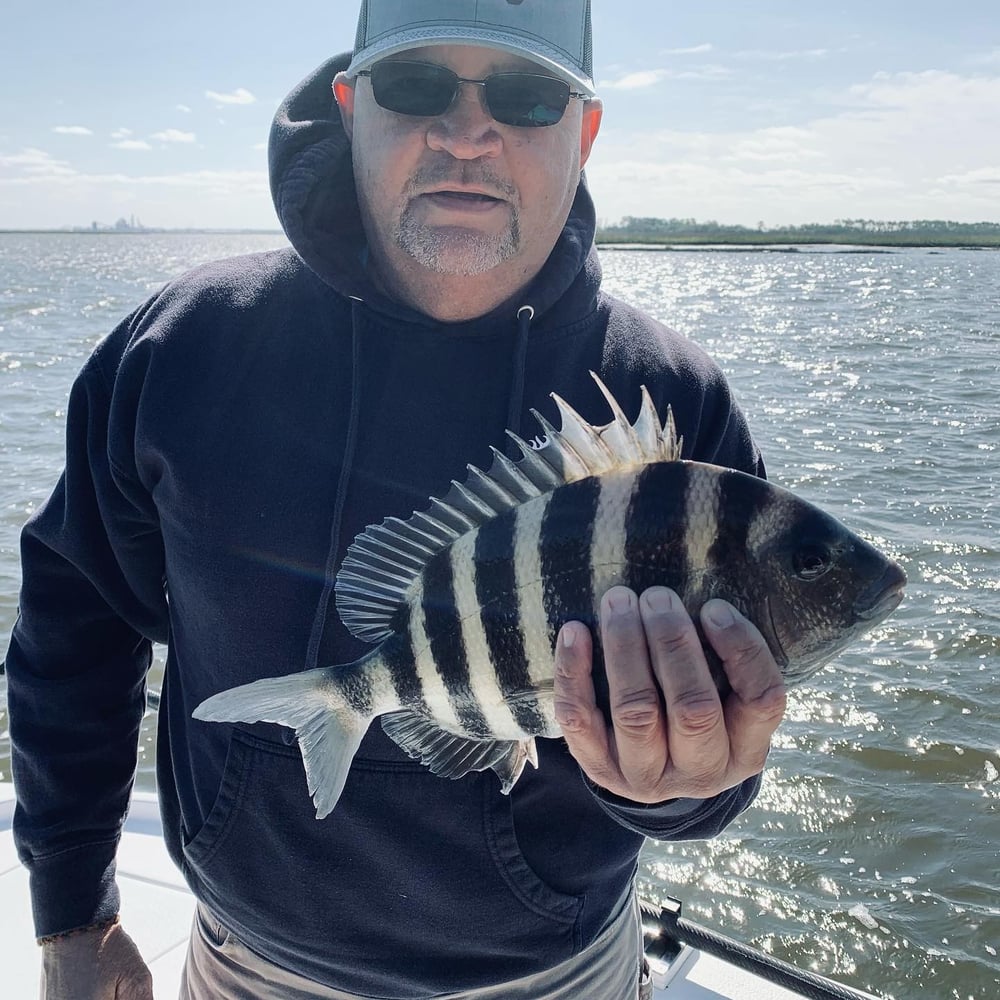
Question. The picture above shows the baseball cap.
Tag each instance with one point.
(553, 33)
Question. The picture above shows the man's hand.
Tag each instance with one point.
(100, 964)
(670, 735)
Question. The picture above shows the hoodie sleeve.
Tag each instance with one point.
(92, 601)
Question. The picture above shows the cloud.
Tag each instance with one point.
(239, 96)
(72, 130)
(897, 146)
(36, 164)
(37, 190)
(173, 135)
(132, 145)
(694, 50)
(770, 55)
(183, 108)
(121, 133)
(981, 175)
(636, 81)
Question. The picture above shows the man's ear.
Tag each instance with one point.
(343, 90)
(593, 111)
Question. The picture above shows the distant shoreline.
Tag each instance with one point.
(775, 242)
(141, 232)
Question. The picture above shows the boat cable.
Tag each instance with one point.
(667, 920)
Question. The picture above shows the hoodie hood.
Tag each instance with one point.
(312, 184)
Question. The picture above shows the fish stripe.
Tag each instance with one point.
(743, 501)
(701, 520)
(434, 692)
(484, 686)
(607, 556)
(497, 545)
(534, 621)
(447, 643)
(656, 551)
(397, 655)
(565, 544)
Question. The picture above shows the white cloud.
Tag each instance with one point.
(132, 145)
(121, 133)
(903, 146)
(183, 108)
(239, 96)
(694, 50)
(173, 135)
(636, 81)
(779, 56)
(72, 130)
(36, 164)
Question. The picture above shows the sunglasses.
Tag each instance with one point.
(524, 100)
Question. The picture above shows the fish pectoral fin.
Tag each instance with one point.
(329, 735)
(451, 756)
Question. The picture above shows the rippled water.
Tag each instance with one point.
(873, 852)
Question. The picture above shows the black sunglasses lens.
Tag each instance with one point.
(526, 100)
(413, 88)
(425, 90)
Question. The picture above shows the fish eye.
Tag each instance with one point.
(811, 562)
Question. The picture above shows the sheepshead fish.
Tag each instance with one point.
(465, 599)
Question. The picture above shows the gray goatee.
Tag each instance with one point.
(457, 249)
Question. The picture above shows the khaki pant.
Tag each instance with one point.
(218, 966)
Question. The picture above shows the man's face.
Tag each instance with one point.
(461, 194)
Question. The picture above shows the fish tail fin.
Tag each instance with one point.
(329, 731)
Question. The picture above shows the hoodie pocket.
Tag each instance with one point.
(415, 885)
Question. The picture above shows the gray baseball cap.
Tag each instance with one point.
(553, 33)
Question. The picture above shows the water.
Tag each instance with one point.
(870, 381)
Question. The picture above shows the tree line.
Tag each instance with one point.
(868, 232)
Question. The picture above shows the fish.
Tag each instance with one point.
(464, 600)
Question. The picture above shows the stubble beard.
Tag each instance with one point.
(457, 250)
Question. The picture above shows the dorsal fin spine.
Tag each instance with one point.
(384, 562)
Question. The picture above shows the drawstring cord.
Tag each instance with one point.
(524, 317)
(354, 417)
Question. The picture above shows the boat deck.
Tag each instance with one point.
(156, 905)
(157, 909)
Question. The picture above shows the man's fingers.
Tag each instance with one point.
(757, 703)
(699, 745)
(579, 717)
(636, 705)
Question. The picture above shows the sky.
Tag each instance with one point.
(776, 112)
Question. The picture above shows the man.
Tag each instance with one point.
(226, 444)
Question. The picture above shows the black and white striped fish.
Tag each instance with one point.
(466, 599)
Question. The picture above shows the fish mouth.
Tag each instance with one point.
(883, 596)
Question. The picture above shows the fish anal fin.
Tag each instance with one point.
(451, 756)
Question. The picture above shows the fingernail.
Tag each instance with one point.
(569, 636)
(619, 599)
(660, 599)
(720, 614)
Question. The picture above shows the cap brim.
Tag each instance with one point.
(534, 51)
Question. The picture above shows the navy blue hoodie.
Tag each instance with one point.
(225, 444)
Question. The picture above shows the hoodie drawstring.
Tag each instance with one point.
(353, 421)
(524, 317)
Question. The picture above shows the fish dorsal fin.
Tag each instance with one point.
(385, 560)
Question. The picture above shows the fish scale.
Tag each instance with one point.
(465, 600)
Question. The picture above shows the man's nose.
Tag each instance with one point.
(466, 130)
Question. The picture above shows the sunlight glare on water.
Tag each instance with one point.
(869, 379)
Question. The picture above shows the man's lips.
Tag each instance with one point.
(460, 200)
